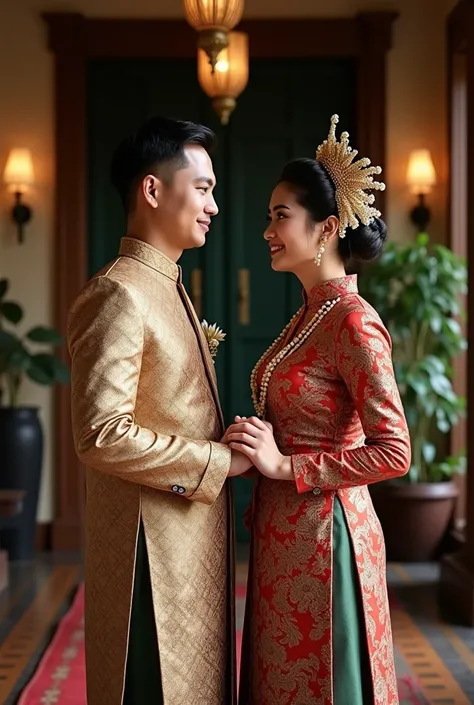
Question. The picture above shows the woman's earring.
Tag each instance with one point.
(322, 247)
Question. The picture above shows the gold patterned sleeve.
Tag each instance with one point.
(364, 361)
(106, 338)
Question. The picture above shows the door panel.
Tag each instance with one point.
(283, 113)
(256, 162)
(121, 95)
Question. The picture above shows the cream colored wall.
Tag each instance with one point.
(416, 118)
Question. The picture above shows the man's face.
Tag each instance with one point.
(186, 203)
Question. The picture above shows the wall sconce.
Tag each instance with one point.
(421, 177)
(230, 77)
(18, 175)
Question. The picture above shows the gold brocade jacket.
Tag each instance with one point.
(146, 423)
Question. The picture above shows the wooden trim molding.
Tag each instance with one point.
(67, 38)
(457, 218)
(75, 39)
(43, 537)
(456, 586)
(375, 40)
(457, 27)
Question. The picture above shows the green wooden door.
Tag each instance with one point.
(283, 113)
(121, 94)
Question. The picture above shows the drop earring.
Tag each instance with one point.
(322, 247)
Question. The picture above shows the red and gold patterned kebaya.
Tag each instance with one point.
(317, 624)
(336, 410)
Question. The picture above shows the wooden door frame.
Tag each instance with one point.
(74, 40)
(457, 28)
(456, 589)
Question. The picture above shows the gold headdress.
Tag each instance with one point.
(351, 180)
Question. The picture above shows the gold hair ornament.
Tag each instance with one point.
(351, 180)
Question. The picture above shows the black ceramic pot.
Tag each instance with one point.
(21, 459)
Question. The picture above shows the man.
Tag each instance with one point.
(147, 421)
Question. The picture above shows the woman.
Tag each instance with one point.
(317, 626)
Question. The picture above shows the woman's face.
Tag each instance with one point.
(293, 241)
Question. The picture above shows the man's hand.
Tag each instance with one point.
(254, 438)
(239, 464)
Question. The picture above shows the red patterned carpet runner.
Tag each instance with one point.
(60, 677)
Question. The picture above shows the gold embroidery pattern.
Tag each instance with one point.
(335, 408)
(147, 424)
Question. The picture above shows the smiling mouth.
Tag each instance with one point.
(275, 249)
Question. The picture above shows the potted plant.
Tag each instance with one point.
(417, 288)
(21, 435)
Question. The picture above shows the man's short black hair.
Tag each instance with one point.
(156, 147)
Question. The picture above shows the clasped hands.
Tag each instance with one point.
(253, 444)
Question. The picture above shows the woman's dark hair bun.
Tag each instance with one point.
(365, 243)
(315, 191)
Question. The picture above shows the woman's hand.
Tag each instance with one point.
(237, 420)
(254, 438)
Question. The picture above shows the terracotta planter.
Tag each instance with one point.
(414, 517)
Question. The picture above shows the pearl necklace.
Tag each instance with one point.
(261, 402)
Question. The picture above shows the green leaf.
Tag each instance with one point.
(440, 384)
(61, 371)
(40, 370)
(441, 421)
(18, 361)
(413, 474)
(4, 285)
(8, 342)
(453, 326)
(422, 239)
(445, 470)
(418, 384)
(429, 452)
(43, 334)
(11, 311)
(47, 370)
(432, 366)
(436, 324)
